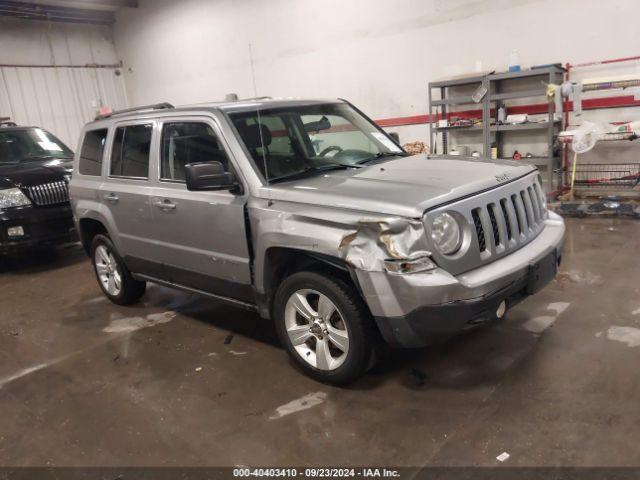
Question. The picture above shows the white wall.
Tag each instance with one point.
(59, 99)
(34, 42)
(378, 54)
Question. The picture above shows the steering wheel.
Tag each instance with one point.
(324, 152)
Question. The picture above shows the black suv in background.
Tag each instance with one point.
(35, 169)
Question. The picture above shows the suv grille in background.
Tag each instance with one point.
(48, 193)
(517, 218)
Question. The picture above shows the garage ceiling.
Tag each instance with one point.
(97, 12)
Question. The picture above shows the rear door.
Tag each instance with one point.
(200, 236)
(126, 191)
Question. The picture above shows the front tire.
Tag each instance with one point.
(325, 327)
(113, 276)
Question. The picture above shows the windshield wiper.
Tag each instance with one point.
(38, 157)
(335, 166)
(381, 155)
(309, 170)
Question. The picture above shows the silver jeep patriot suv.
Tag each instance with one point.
(311, 215)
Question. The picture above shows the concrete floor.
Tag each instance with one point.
(85, 382)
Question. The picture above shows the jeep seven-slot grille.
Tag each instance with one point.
(518, 217)
(494, 225)
(479, 231)
(505, 212)
(49, 193)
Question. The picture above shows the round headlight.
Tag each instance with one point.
(446, 233)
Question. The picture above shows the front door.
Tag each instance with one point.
(201, 237)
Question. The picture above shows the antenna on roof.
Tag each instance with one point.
(259, 126)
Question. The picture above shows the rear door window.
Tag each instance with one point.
(91, 152)
(130, 151)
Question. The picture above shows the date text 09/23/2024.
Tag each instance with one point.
(368, 472)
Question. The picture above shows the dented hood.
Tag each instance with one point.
(406, 186)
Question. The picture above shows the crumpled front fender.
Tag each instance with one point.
(360, 240)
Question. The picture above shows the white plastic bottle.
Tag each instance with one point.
(514, 61)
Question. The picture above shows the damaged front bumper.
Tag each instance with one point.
(418, 309)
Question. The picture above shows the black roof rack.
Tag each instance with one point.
(6, 122)
(155, 106)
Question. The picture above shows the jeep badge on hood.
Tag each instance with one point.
(503, 177)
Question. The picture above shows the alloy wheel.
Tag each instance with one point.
(108, 270)
(316, 329)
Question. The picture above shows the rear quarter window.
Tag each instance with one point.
(92, 151)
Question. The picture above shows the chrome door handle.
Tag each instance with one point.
(165, 204)
(112, 198)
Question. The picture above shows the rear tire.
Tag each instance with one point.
(112, 274)
(325, 327)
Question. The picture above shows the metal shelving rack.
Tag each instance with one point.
(501, 88)
(439, 108)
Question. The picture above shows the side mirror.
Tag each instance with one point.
(209, 176)
(395, 136)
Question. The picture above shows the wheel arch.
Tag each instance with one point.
(279, 262)
(88, 228)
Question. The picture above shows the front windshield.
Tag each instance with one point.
(287, 142)
(29, 144)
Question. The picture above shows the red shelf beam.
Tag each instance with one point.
(532, 109)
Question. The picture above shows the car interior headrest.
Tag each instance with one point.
(251, 135)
